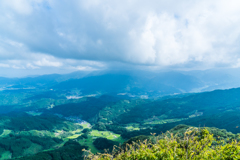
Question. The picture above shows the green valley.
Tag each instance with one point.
(44, 122)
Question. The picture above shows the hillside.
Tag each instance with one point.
(71, 150)
(196, 143)
(218, 108)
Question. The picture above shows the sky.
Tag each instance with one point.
(62, 36)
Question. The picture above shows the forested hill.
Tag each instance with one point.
(220, 108)
(154, 85)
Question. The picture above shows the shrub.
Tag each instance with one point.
(104, 143)
(195, 144)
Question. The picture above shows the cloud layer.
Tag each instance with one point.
(90, 35)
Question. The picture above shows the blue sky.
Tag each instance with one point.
(61, 36)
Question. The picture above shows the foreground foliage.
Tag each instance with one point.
(195, 144)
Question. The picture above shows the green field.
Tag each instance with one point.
(5, 132)
(131, 128)
(85, 125)
(6, 155)
(164, 121)
(91, 136)
(106, 134)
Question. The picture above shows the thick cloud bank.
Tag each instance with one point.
(96, 34)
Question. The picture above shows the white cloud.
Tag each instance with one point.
(45, 62)
(19, 6)
(85, 68)
(97, 34)
(24, 7)
(2, 65)
(31, 66)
